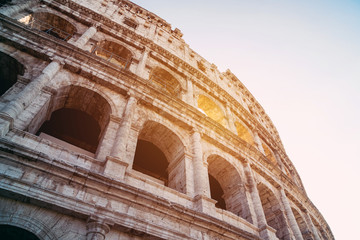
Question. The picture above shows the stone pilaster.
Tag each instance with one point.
(290, 216)
(116, 164)
(12, 10)
(258, 142)
(10, 112)
(89, 33)
(96, 230)
(260, 215)
(312, 226)
(140, 70)
(202, 199)
(230, 118)
(190, 92)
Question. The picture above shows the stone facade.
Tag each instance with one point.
(113, 128)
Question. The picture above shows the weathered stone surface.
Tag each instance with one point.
(113, 128)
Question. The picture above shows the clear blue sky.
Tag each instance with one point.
(301, 61)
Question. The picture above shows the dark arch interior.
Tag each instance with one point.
(9, 69)
(73, 126)
(16, 233)
(217, 193)
(150, 160)
(53, 25)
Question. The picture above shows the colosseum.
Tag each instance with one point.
(112, 127)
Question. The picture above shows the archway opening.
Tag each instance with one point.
(161, 154)
(114, 53)
(217, 192)
(16, 233)
(51, 24)
(73, 126)
(244, 133)
(78, 119)
(273, 214)
(150, 160)
(165, 80)
(226, 187)
(211, 109)
(10, 68)
(269, 154)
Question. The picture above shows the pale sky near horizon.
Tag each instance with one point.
(301, 61)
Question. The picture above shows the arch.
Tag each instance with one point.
(51, 24)
(88, 112)
(114, 53)
(32, 225)
(16, 233)
(244, 133)
(211, 109)
(165, 80)
(268, 153)
(10, 68)
(306, 233)
(226, 187)
(273, 213)
(163, 149)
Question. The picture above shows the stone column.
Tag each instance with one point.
(10, 112)
(202, 199)
(258, 142)
(201, 178)
(278, 160)
(231, 122)
(190, 92)
(290, 215)
(140, 70)
(96, 230)
(312, 226)
(89, 33)
(12, 10)
(260, 215)
(116, 163)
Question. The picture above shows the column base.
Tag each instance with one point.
(115, 168)
(267, 233)
(204, 204)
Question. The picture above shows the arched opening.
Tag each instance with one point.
(211, 109)
(302, 225)
(150, 160)
(161, 154)
(244, 133)
(269, 154)
(114, 53)
(10, 68)
(226, 187)
(272, 210)
(78, 119)
(165, 80)
(16, 233)
(51, 24)
(217, 192)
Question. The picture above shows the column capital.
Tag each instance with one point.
(96, 229)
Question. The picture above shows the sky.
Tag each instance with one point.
(301, 61)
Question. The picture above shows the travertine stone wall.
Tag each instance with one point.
(133, 75)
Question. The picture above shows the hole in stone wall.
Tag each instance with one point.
(211, 109)
(51, 24)
(114, 53)
(150, 160)
(16, 233)
(244, 133)
(10, 68)
(165, 80)
(73, 126)
(217, 193)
